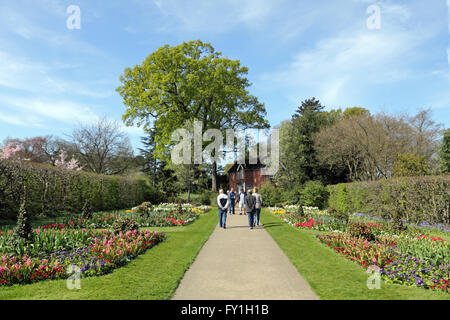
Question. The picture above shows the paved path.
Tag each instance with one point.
(242, 264)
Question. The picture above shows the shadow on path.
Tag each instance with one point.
(272, 224)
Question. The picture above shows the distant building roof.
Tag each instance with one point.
(235, 166)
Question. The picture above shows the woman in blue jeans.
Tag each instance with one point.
(258, 205)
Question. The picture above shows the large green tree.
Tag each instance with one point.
(186, 82)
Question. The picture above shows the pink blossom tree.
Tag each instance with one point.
(9, 151)
(69, 165)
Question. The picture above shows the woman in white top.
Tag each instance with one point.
(241, 199)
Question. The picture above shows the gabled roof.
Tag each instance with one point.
(235, 166)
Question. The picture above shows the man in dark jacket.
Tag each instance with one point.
(231, 201)
(250, 207)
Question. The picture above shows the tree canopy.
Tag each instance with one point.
(185, 82)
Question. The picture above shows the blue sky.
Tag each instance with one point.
(53, 78)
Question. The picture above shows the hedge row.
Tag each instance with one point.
(50, 190)
(415, 199)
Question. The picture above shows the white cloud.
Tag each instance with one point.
(44, 111)
(16, 120)
(402, 13)
(25, 26)
(22, 74)
(217, 16)
(348, 62)
(134, 131)
(346, 66)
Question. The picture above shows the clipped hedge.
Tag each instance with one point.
(51, 190)
(415, 199)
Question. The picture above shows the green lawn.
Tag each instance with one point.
(333, 277)
(153, 276)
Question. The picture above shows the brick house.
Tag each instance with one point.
(246, 176)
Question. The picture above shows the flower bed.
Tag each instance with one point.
(293, 209)
(319, 223)
(173, 208)
(361, 251)
(103, 251)
(408, 257)
(391, 255)
(411, 271)
(309, 224)
(159, 218)
(277, 210)
(101, 221)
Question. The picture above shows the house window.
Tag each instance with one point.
(241, 174)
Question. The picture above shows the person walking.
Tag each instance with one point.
(232, 201)
(258, 205)
(222, 203)
(250, 202)
(228, 198)
(241, 200)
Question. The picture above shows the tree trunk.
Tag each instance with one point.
(189, 192)
(214, 177)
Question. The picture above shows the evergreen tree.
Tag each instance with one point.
(297, 145)
(444, 153)
(23, 227)
(160, 175)
(309, 106)
(152, 166)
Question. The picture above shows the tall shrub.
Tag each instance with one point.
(314, 194)
(52, 190)
(342, 200)
(270, 194)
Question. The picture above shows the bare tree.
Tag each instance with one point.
(368, 146)
(102, 147)
(425, 134)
